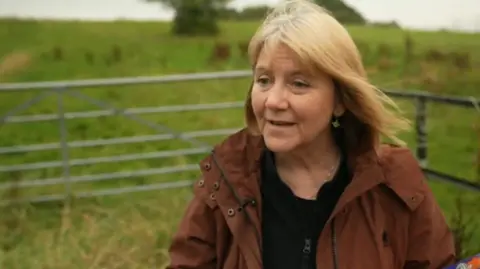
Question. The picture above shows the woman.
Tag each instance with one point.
(307, 183)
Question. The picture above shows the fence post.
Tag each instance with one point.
(421, 130)
(64, 144)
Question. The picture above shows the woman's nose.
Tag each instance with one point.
(277, 98)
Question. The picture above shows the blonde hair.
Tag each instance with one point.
(323, 44)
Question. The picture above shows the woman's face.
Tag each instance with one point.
(293, 108)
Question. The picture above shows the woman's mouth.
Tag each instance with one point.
(281, 123)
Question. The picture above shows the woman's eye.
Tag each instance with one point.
(263, 81)
(300, 84)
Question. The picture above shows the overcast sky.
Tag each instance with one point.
(422, 14)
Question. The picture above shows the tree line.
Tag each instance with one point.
(200, 17)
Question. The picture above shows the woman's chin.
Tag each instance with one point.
(279, 145)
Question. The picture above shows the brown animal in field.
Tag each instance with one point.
(221, 52)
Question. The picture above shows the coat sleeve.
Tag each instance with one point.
(193, 245)
(430, 243)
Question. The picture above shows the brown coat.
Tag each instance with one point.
(386, 218)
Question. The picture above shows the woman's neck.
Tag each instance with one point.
(306, 169)
(315, 157)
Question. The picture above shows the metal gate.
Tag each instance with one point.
(64, 89)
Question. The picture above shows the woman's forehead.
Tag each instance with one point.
(282, 56)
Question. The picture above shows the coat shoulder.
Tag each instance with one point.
(240, 151)
(403, 175)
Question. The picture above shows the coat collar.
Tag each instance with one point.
(239, 158)
(241, 153)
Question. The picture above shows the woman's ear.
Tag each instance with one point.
(339, 109)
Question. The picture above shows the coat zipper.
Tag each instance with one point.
(307, 250)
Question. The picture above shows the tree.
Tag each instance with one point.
(342, 11)
(194, 17)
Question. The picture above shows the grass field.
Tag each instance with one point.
(132, 231)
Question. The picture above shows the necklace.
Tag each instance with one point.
(331, 173)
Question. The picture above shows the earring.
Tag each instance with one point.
(335, 122)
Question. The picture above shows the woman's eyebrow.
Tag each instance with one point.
(295, 72)
(260, 69)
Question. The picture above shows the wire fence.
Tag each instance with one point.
(63, 89)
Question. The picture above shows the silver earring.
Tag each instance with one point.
(335, 122)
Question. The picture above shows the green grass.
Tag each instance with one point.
(132, 231)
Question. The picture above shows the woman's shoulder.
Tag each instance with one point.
(239, 151)
(395, 157)
(239, 141)
(237, 147)
(403, 174)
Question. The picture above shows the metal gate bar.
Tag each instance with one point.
(64, 88)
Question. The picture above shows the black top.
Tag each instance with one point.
(291, 226)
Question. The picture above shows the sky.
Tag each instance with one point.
(419, 14)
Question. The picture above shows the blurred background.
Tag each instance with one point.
(107, 106)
